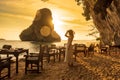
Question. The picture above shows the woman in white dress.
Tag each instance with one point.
(69, 50)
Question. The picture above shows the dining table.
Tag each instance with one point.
(16, 53)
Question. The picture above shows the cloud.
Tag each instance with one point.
(19, 7)
(76, 21)
(16, 16)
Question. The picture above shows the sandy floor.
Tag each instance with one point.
(97, 67)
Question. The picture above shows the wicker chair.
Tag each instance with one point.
(50, 51)
(35, 60)
(79, 48)
(90, 50)
(5, 63)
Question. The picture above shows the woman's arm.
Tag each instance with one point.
(66, 34)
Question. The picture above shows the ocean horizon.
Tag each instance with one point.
(34, 46)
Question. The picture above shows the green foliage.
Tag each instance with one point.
(86, 12)
(79, 2)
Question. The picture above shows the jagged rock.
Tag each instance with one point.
(106, 17)
(42, 28)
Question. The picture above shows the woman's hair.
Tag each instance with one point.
(71, 32)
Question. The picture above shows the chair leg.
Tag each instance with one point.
(38, 68)
(0, 75)
(25, 67)
(48, 59)
(85, 54)
(59, 56)
(54, 58)
(64, 55)
(42, 64)
(31, 66)
(9, 71)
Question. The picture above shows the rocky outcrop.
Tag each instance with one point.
(42, 28)
(106, 17)
(2, 39)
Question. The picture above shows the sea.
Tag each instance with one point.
(34, 46)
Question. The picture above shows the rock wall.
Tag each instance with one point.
(42, 28)
(106, 17)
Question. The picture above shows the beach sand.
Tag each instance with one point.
(97, 67)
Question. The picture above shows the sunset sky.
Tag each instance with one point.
(17, 15)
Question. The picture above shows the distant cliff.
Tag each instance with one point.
(42, 28)
(2, 39)
(106, 17)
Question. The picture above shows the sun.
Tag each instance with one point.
(58, 23)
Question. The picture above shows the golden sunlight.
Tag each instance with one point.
(58, 24)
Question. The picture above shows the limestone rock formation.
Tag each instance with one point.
(106, 17)
(42, 28)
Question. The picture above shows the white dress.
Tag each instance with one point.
(69, 51)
